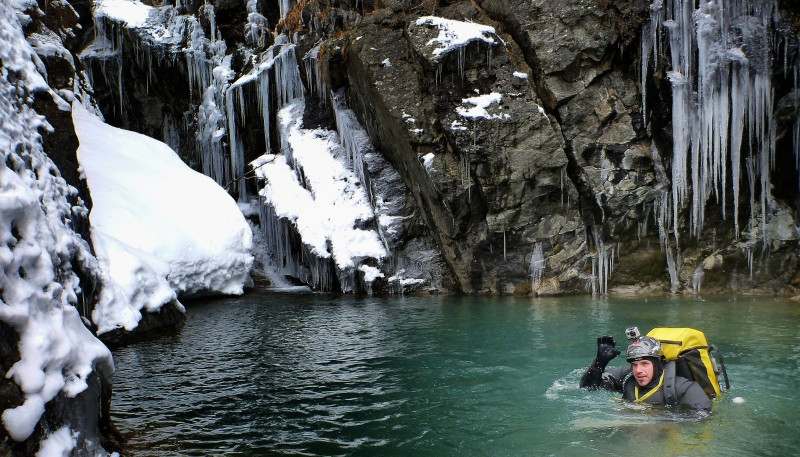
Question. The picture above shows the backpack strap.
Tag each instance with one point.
(670, 398)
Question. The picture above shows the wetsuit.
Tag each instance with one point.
(688, 393)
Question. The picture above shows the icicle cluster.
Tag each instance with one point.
(722, 107)
(602, 263)
(288, 84)
(314, 74)
(354, 139)
(256, 30)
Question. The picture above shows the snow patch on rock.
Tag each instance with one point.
(455, 34)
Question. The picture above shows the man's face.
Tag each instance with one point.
(642, 371)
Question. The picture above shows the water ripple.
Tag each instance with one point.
(319, 375)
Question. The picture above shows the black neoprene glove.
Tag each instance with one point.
(606, 350)
(593, 377)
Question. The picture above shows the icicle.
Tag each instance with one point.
(314, 74)
(287, 75)
(602, 263)
(466, 179)
(263, 104)
(645, 49)
(284, 7)
(641, 231)
(697, 279)
(119, 82)
(672, 269)
(751, 181)
(212, 20)
(504, 245)
(170, 134)
(461, 54)
(537, 264)
(234, 97)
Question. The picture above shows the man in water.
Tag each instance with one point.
(644, 380)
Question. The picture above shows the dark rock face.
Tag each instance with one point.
(485, 178)
(10, 393)
(167, 319)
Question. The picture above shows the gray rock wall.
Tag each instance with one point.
(565, 163)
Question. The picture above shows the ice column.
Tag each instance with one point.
(537, 264)
(284, 6)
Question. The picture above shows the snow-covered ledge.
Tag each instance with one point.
(160, 230)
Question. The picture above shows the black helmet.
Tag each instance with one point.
(642, 347)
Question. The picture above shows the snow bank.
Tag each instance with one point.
(158, 227)
(38, 247)
(455, 34)
(334, 202)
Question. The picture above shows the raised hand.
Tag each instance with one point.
(606, 349)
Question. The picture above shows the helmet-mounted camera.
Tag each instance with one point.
(632, 333)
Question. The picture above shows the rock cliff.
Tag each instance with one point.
(538, 155)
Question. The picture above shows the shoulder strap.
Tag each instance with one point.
(670, 399)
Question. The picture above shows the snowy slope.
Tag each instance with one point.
(158, 227)
(39, 250)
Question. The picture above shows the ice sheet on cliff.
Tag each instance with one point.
(159, 228)
(333, 203)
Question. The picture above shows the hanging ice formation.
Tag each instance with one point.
(722, 98)
(256, 30)
(278, 60)
(330, 262)
(166, 37)
(313, 74)
(316, 204)
(602, 263)
(455, 36)
(537, 264)
(284, 7)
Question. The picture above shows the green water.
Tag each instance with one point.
(312, 374)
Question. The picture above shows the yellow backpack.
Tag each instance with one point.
(692, 355)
